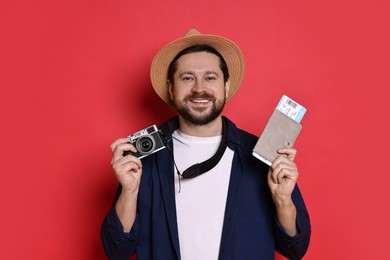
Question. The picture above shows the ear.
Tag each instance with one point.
(227, 88)
(170, 89)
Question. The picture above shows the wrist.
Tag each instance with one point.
(285, 207)
(129, 193)
(283, 202)
(286, 213)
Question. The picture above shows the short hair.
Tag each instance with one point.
(198, 48)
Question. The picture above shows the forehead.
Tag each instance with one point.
(199, 61)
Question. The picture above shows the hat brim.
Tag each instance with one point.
(229, 51)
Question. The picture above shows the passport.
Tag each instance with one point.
(281, 130)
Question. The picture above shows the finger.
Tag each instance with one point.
(117, 142)
(276, 174)
(129, 167)
(276, 168)
(123, 160)
(127, 164)
(284, 171)
(285, 161)
(120, 148)
(280, 159)
(290, 152)
(273, 176)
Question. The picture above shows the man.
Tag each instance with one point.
(206, 196)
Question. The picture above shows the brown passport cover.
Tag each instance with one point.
(280, 131)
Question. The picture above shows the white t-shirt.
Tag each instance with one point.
(201, 202)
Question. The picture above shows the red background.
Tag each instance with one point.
(74, 76)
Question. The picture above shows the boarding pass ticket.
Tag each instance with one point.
(291, 108)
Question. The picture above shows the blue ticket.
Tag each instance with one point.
(291, 108)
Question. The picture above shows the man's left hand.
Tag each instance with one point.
(282, 176)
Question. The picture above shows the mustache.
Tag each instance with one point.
(199, 95)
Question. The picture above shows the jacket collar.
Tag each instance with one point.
(169, 126)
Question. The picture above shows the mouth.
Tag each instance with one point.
(200, 101)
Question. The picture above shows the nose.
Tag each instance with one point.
(198, 86)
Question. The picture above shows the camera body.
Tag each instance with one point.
(147, 141)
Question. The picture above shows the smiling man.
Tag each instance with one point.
(198, 87)
(206, 196)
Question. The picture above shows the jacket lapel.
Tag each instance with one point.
(165, 171)
(232, 201)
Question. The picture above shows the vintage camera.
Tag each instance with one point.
(146, 141)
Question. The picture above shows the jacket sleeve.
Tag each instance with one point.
(294, 248)
(117, 244)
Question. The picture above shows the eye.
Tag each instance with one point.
(187, 78)
(211, 77)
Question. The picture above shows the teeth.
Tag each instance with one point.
(200, 101)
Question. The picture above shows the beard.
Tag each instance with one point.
(200, 116)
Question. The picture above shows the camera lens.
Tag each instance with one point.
(145, 144)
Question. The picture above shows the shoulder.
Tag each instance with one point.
(243, 142)
(240, 136)
(247, 137)
(253, 172)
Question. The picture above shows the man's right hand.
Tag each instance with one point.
(128, 169)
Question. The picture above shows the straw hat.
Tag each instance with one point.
(229, 51)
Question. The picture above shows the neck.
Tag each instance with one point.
(213, 128)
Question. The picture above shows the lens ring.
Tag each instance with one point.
(145, 144)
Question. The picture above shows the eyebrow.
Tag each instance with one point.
(206, 72)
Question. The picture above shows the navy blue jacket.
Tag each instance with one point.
(250, 231)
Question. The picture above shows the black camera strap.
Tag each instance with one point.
(200, 168)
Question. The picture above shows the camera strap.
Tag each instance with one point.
(200, 168)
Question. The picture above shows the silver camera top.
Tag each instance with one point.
(147, 131)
